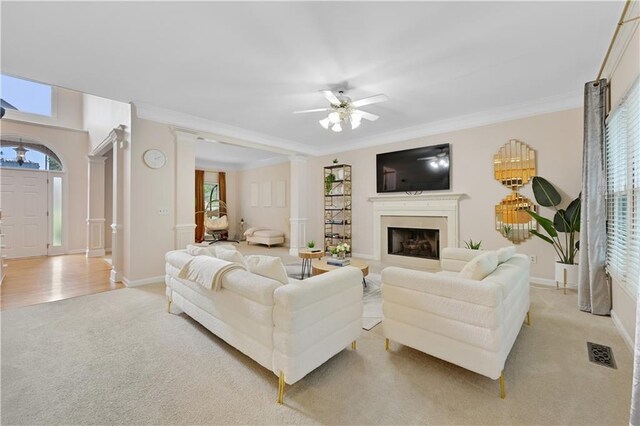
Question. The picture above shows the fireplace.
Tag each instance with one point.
(414, 242)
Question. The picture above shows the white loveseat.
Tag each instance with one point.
(470, 323)
(289, 329)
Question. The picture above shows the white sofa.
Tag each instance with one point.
(470, 323)
(289, 329)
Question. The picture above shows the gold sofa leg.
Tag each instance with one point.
(168, 305)
(354, 345)
(528, 317)
(503, 394)
(281, 388)
(386, 344)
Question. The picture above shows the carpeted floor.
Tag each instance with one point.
(119, 358)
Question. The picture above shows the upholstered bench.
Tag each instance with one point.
(268, 237)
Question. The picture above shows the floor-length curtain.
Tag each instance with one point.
(199, 205)
(222, 187)
(593, 289)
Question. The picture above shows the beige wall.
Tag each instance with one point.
(270, 217)
(72, 147)
(101, 115)
(628, 69)
(68, 111)
(148, 234)
(556, 137)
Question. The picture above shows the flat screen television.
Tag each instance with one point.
(418, 169)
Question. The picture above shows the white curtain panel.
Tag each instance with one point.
(634, 418)
(593, 289)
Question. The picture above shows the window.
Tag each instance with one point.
(210, 196)
(27, 155)
(623, 190)
(26, 96)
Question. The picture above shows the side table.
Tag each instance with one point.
(307, 256)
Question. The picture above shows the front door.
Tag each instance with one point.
(23, 200)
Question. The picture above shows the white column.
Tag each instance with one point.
(95, 206)
(298, 221)
(119, 143)
(185, 188)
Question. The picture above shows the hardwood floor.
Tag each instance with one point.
(45, 279)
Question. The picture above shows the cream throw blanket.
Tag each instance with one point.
(207, 271)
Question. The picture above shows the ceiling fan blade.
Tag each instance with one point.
(370, 100)
(331, 97)
(367, 115)
(312, 110)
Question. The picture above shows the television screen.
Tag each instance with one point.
(418, 169)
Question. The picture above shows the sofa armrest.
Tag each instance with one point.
(315, 319)
(474, 292)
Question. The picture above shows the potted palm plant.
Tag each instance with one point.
(561, 232)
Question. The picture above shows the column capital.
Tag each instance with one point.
(296, 158)
(96, 159)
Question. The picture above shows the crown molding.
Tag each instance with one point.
(548, 105)
(222, 132)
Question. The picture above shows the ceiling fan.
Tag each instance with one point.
(343, 110)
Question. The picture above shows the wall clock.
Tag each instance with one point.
(154, 158)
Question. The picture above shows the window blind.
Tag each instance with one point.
(622, 147)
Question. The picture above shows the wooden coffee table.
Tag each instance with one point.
(307, 256)
(320, 266)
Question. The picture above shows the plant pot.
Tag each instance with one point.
(342, 255)
(568, 278)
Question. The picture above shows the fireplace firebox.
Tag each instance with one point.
(414, 242)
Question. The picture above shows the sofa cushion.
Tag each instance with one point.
(481, 266)
(267, 266)
(505, 253)
(230, 255)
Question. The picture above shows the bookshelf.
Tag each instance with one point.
(337, 205)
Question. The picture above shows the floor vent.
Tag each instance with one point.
(601, 355)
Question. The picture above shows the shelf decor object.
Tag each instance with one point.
(514, 165)
(337, 206)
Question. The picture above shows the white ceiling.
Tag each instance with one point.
(244, 67)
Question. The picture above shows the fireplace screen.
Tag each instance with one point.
(414, 242)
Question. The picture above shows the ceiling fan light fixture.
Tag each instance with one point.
(325, 123)
(337, 127)
(334, 117)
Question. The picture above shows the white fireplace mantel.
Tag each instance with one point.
(429, 205)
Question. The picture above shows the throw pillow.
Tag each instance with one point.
(201, 251)
(230, 256)
(505, 253)
(268, 267)
(480, 266)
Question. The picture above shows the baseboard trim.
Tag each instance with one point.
(95, 252)
(625, 336)
(77, 251)
(543, 281)
(145, 281)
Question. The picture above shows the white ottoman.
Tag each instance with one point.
(269, 237)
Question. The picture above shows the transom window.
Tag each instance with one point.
(26, 96)
(19, 154)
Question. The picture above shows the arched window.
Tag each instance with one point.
(20, 153)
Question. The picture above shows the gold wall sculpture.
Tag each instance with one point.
(514, 165)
